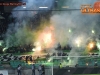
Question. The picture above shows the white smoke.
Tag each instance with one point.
(18, 32)
(80, 24)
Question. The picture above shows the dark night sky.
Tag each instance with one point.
(5, 13)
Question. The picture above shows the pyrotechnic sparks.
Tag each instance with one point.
(38, 46)
(91, 45)
(61, 22)
(46, 37)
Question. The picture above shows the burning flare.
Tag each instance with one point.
(46, 37)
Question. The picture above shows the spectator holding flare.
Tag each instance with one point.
(19, 69)
(33, 69)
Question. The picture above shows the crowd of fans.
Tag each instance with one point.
(21, 49)
(16, 49)
(67, 47)
(60, 54)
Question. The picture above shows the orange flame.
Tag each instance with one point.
(46, 37)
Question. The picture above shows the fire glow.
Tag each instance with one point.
(91, 45)
(46, 37)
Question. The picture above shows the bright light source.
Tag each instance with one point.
(70, 31)
(43, 7)
(47, 37)
(91, 45)
(49, 59)
(93, 31)
(4, 49)
(38, 48)
(0, 44)
(33, 49)
(37, 43)
(98, 45)
(78, 45)
(29, 63)
(24, 6)
(78, 42)
(68, 58)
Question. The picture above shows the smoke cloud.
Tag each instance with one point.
(23, 30)
(80, 26)
(68, 25)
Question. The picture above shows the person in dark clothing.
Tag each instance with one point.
(26, 59)
(19, 69)
(1, 74)
(40, 69)
(43, 70)
(76, 65)
(33, 69)
(96, 64)
(31, 58)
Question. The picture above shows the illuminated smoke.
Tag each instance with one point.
(46, 38)
(80, 24)
(23, 30)
(62, 21)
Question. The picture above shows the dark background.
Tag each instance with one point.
(5, 12)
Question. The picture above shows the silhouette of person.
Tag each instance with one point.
(1, 74)
(19, 69)
(43, 70)
(40, 70)
(33, 69)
